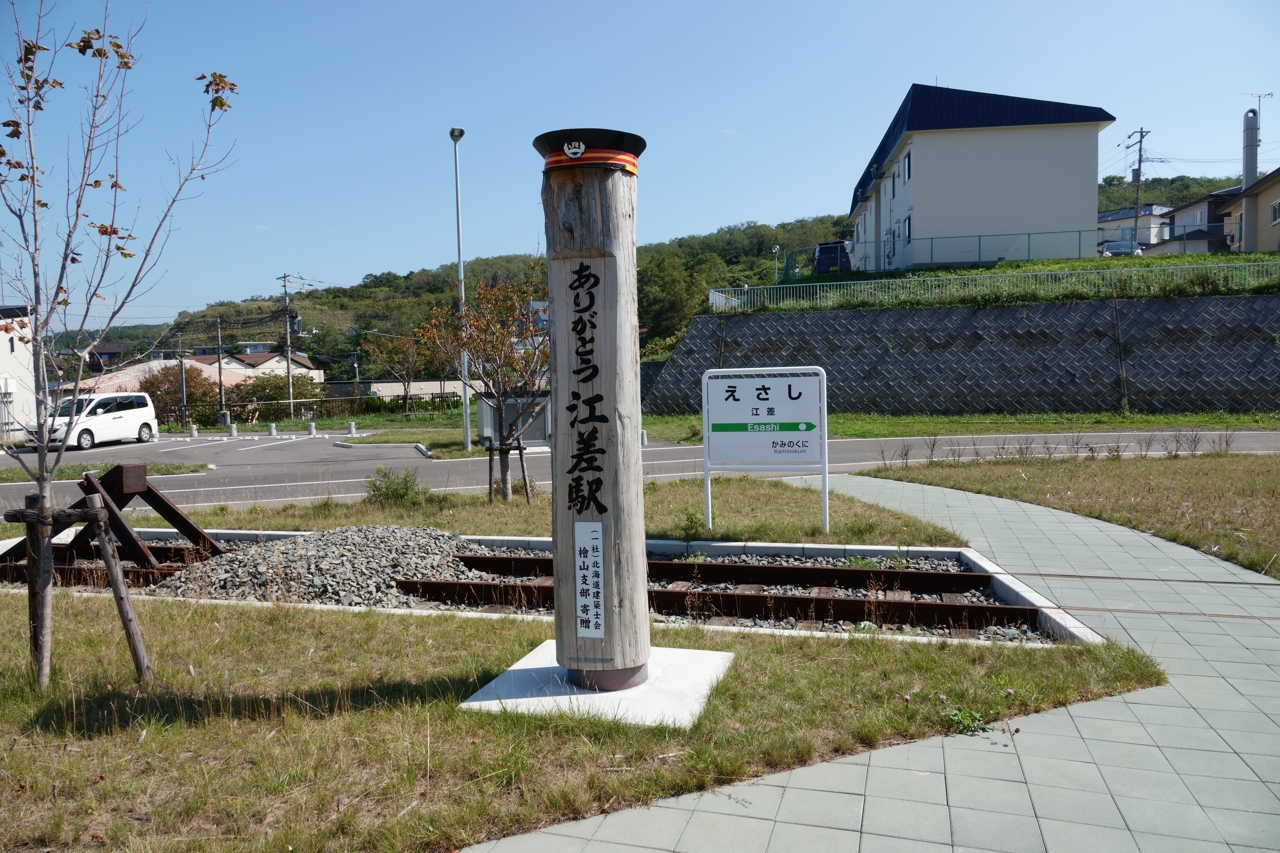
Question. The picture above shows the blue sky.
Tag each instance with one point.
(752, 111)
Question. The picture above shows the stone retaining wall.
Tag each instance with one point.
(1201, 353)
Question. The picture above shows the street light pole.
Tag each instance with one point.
(776, 250)
(456, 133)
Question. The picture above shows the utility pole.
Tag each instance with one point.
(288, 340)
(222, 397)
(182, 382)
(1137, 179)
(455, 133)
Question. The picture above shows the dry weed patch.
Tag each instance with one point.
(278, 727)
(1227, 505)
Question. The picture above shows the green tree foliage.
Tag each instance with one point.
(273, 387)
(672, 289)
(165, 388)
(1116, 192)
(674, 276)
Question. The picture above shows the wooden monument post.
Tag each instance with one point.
(597, 521)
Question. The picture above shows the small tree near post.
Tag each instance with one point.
(507, 354)
(73, 256)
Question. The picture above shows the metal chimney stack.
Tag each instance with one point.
(1248, 221)
(1250, 149)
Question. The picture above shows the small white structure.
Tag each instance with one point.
(970, 177)
(17, 383)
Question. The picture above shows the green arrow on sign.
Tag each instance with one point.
(765, 426)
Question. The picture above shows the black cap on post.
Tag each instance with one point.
(590, 146)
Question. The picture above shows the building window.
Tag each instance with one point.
(1199, 217)
(893, 183)
(906, 167)
(906, 229)
(1275, 218)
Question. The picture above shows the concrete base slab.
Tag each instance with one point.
(674, 694)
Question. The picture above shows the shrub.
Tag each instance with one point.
(388, 488)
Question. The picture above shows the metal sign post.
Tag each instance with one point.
(765, 419)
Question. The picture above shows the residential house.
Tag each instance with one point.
(970, 177)
(1153, 224)
(252, 365)
(1198, 226)
(17, 383)
(129, 378)
(1253, 216)
(103, 356)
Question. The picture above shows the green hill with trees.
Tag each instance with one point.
(674, 277)
(1116, 192)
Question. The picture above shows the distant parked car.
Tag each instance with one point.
(1121, 249)
(830, 257)
(102, 417)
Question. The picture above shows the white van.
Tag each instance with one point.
(102, 417)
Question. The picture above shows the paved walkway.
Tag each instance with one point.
(1192, 766)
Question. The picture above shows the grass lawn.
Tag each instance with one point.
(443, 442)
(76, 470)
(687, 429)
(1226, 505)
(745, 509)
(264, 720)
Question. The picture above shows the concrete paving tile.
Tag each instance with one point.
(909, 757)
(986, 765)
(483, 847)
(794, 838)
(1228, 700)
(1180, 820)
(1106, 709)
(1149, 843)
(1069, 837)
(1258, 743)
(844, 778)
(1185, 666)
(1056, 723)
(1248, 687)
(656, 827)
(886, 844)
(708, 832)
(1186, 737)
(1266, 767)
(904, 819)
(984, 742)
(1147, 785)
(1079, 806)
(1252, 671)
(991, 795)
(1238, 794)
(1197, 762)
(1163, 715)
(537, 842)
(1138, 756)
(745, 800)
(577, 828)
(611, 847)
(1250, 828)
(777, 779)
(1228, 653)
(1056, 773)
(1053, 746)
(915, 785)
(821, 808)
(1008, 833)
(1116, 730)
(1164, 695)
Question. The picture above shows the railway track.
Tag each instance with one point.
(957, 600)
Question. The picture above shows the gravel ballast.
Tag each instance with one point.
(356, 566)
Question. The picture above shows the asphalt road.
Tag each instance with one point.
(295, 469)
